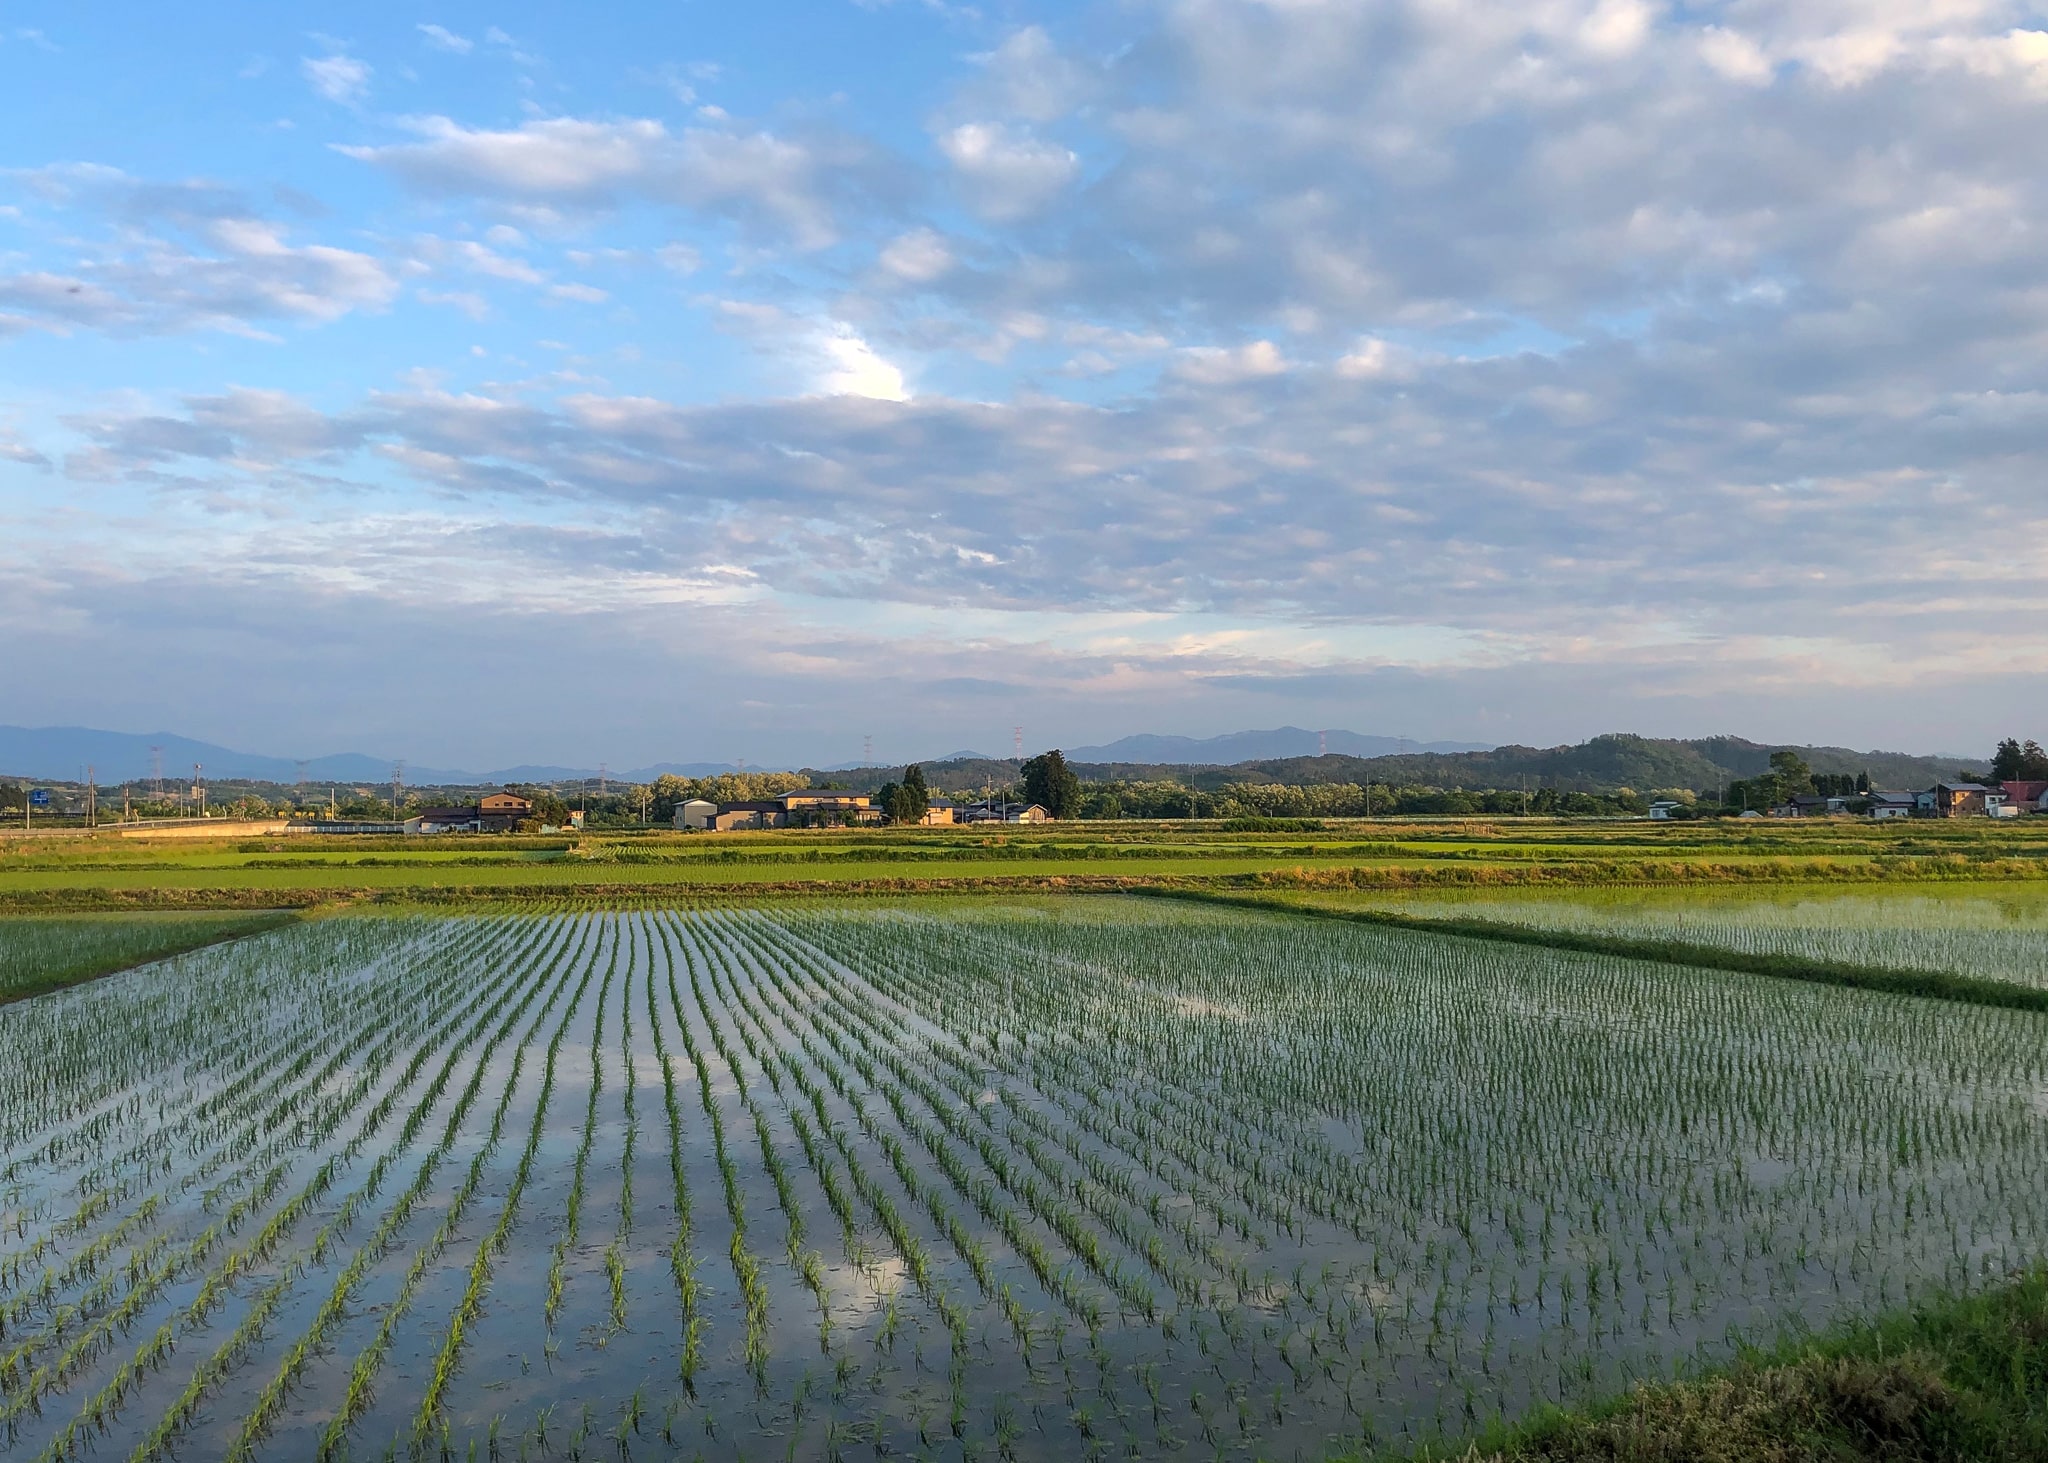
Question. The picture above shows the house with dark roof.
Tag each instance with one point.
(2027, 797)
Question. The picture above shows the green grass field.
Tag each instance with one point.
(296, 870)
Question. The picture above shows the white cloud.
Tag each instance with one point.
(679, 258)
(1027, 77)
(470, 303)
(757, 176)
(338, 78)
(1734, 56)
(1221, 366)
(854, 369)
(918, 257)
(443, 39)
(1373, 359)
(1008, 174)
(187, 256)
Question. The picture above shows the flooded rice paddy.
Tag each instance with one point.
(1994, 931)
(1096, 1178)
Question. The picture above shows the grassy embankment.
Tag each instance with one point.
(1964, 1380)
(39, 955)
(113, 872)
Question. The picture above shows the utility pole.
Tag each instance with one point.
(199, 789)
(124, 803)
(397, 777)
(92, 798)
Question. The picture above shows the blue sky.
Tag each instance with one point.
(486, 384)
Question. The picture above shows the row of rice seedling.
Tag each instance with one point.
(1201, 1024)
(147, 1281)
(1993, 933)
(1076, 1180)
(39, 954)
(218, 1285)
(271, 1401)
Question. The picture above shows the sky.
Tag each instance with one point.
(490, 384)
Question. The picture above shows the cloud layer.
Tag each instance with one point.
(1267, 348)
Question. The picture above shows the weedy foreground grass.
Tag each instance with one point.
(1964, 1380)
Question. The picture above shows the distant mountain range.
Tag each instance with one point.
(63, 753)
(1285, 754)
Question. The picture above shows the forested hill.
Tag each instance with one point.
(1602, 764)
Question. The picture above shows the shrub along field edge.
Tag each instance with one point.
(1937, 985)
(1961, 1379)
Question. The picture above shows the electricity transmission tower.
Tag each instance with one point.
(1017, 741)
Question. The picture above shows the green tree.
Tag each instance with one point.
(916, 797)
(889, 798)
(2017, 762)
(1052, 784)
(1790, 776)
(548, 808)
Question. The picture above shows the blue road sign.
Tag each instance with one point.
(39, 797)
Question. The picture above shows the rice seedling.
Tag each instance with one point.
(1106, 1175)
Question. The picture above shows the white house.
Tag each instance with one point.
(696, 813)
(1664, 809)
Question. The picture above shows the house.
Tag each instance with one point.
(813, 806)
(449, 820)
(695, 813)
(1891, 804)
(2026, 797)
(1817, 805)
(937, 814)
(497, 812)
(759, 814)
(997, 810)
(1959, 800)
(1665, 809)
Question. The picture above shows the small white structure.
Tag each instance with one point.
(1664, 809)
(696, 813)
